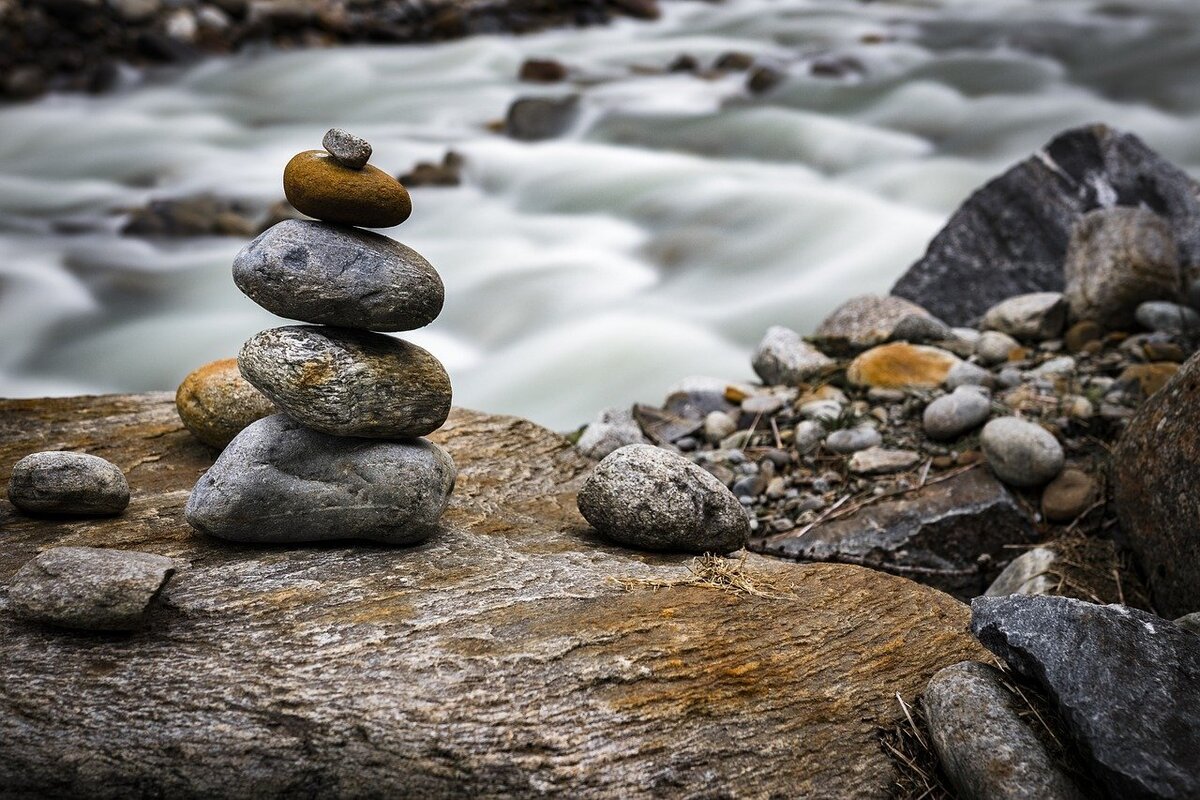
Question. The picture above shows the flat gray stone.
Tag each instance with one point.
(882, 461)
(59, 482)
(278, 482)
(986, 748)
(650, 499)
(88, 588)
(348, 383)
(851, 440)
(337, 275)
(1127, 684)
(1021, 453)
(346, 148)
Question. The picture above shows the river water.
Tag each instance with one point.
(658, 239)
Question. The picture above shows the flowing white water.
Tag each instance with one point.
(678, 220)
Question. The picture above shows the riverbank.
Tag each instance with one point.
(87, 45)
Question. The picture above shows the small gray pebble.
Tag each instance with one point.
(957, 413)
(346, 148)
(1020, 452)
(851, 440)
(58, 482)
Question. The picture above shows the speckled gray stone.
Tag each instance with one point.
(57, 482)
(346, 148)
(985, 746)
(337, 275)
(1035, 317)
(647, 498)
(959, 412)
(613, 428)
(783, 358)
(279, 482)
(348, 383)
(88, 588)
(1021, 453)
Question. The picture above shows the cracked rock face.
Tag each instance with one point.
(280, 482)
(651, 499)
(335, 275)
(59, 482)
(1126, 682)
(88, 588)
(348, 383)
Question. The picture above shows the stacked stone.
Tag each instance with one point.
(344, 459)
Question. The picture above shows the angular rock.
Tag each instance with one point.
(59, 482)
(612, 429)
(783, 358)
(1069, 495)
(1010, 237)
(317, 185)
(336, 275)
(279, 482)
(935, 535)
(348, 383)
(1116, 259)
(1127, 684)
(650, 499)
(1031, 317)
(868, 320)
(532, 119)
(882, 461)
(215, 402)
(901, 366)
(961, 411)
(986, 747)
(88, 588)
(1154, 473)
(1160, 315)
(522, 614)
(1190, 622)
(1021, 453)
(346, 148)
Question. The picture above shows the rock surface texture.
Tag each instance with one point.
(1154, 490)
(1010, 237)
(1127, 684)
(544, 666)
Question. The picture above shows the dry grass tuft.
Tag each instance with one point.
(907, 743)
(716, 572)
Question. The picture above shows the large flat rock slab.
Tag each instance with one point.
(513, 654)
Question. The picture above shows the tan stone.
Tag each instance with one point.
(317, 185)
(514, 653)
(1069, 495)
(215, 402)
(1148, 377)
(901, 366)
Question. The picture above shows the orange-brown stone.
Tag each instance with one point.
(901, 366)
(317, 185)
(215, 402)
(1149, 377)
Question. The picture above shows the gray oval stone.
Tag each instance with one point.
(1160, 315)
(963, 410)
(337, 275)
(348, 383)
(1021, 453)
(88, 588)
(279, 482)
(644, 497)
(346, 148)
(851, 440)
(58, 482)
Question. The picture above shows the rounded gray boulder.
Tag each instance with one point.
(348, 383)
(279, 482)
(337, 275)
(57, 482)
(1020, 452)
(644, 497)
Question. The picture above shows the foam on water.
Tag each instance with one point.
(659, 239)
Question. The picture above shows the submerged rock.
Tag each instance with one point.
(1106, 667)
(348, 383)
(58, 482)
(647, 498)
(88, 588)
(279, 482)
(1010, 237)
(336, 275)
(984, 742)
(215, 402)
(533, 119)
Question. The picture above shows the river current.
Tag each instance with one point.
(678, 219)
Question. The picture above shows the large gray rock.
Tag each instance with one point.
(348, 383)
(278, 482)
(1116, 259)
(88, 588)
(783, 358)
(1010, 237)
(955, 535)
(985, 746)
(644, 497)
(58, 482)
(337, 275)
(1127, 684)
(1021, 453)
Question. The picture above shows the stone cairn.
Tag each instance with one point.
(344, 458)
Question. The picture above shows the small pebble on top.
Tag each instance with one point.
(346, 148)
